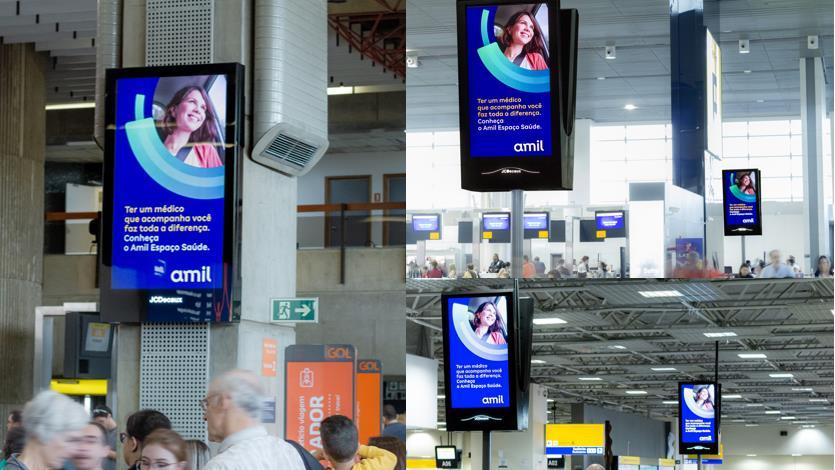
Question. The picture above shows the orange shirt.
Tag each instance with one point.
(528, 270)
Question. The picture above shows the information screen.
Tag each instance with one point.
(319, 382)
(612, 222)
(509, 94)
(699, 411)
(741, 202)
(500, 221)
(425, 223)
(479, 367)
(574, 439)
(536, 221)
(171, 159)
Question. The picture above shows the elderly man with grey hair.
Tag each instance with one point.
(232, 409)
(53, 424)
(595, 466)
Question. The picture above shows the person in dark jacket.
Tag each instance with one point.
(393, 427)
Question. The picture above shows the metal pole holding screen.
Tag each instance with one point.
(517, 231)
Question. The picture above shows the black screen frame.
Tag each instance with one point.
(580, 231)
(447, 463)
(504, 419)
(421, 235)
(736, 230)
(507, 172)
(712, 448)
(617, 233)
(132, 305)
(503, 235)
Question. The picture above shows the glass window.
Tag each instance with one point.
(445, 139)
(648, 170)
(772, 166)
(609, 150)
(769, 127)
(769, 146)
(647, 131)
(419, 139)
(645, 149)
(735, 129)
(735, 146)
(607, 133)
(778, 189)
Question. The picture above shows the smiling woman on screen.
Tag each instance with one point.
(522, 43)
(188, 128)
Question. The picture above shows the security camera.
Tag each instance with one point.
(812, 42)
(412, 61)
(610, 52)
(744, 46)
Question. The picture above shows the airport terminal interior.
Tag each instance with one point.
(576, 234)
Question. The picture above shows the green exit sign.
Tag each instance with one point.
(295, 310)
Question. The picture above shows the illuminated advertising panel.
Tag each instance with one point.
(574, 439)
(369, 398)
(495, 226)
(319, 382)
(479, 361)
(699, 411)
(741, 202)
(612, 223)
(169, 219)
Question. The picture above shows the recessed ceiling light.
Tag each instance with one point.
(781, 376)
(61, 106)
(752, 356)
(732, 397)
(537, 361)
(441, 397)
(751, 425)
(670, 402)
(719, 334)
(617, 346)
(772, 412)
(802, 389)
(590, 379)
(819, 400)
(754, 404)
(601, 78)
(630, 107)
(750, 455)
(550, 400)
(636, 392)
(664, 369)
(760, 101)
(746, 71)
(548, 321)
(661, 293)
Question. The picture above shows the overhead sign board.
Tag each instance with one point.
(574, 439)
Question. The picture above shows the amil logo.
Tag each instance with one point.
(204, 274)
(537, 146)
(337, 352)
(497, 400)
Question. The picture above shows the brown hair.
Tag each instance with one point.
(206, 133)
(170, 441)
(536, 45)
(393, 445)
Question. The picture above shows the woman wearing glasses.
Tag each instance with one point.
(164, 448)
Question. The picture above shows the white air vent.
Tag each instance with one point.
(289, 149)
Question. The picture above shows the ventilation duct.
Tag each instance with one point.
(108, 56)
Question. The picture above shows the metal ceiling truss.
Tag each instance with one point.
(378, 36)
(615, 333)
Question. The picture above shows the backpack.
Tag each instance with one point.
(310, 462)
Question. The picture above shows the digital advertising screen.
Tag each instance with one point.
(426, 226)
(699, 411)
(369, 417)
(536, 225)
(318, 382)
(495, 227)
(741, 202)
(479, 361)
(170, 193)
(509, 95)
(613, 223)
(574, 439)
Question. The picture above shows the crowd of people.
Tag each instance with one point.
(777, 269)
(55, 432)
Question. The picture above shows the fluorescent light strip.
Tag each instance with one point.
(818, 400)
(751, 425)
(732, 397)
(788, 418)
(548, 321)
(617, 346)
(772, 412)
(752, 356)
(664, 369)
(754, 404)
(590, 379)
(62, 106)
(636, 392)
(804, 389)
(670, 402)
(538, 361)
(720, 334)
(661, 293)
(781, 376)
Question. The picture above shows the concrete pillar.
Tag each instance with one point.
(812, 114)
(22, 146)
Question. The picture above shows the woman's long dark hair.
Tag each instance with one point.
(536, 45)
(206, 134)
(741, 175)
(498, 325)
(818, 266)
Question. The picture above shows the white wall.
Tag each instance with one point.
(422, 388)
(766, 440)
(817, 462)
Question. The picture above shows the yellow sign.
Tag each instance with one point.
(601, 234)
(420, 463)
(667, 462)
(94, 387)
(543, 234)
(434, 236)
(627, 460)
(574, 435)
(487, 235)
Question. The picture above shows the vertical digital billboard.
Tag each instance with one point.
(318, 382)
(536, 225)
(698, 417)
(612, 223)
(510, 70)
(480, 361)
(170, 195)
(369, 418)
(741, 202)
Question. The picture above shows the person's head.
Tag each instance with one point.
(702, 393)
(536, 259)
(488, 315)
(137, 428)
(393, 445)
(198, 454)
(190, 110)
(525, 258)
(14, 419)
(522, 30)
(103, 415)
(743, 179)
(434, 264)
(164, 448)
(824, 266)
(233, 403)
(790, 260)
(340, 439)
(584, 259)
(92, 447)
(744, 270)
(15, 439)
(560, 262)
(495, 256)
(389, 413)
(595, 466)
(53, 423)
(470, 266)
(774, 256)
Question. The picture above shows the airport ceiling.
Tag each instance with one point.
(615, 334)
(640, 74)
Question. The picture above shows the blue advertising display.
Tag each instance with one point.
(741, 202)
(609, 220)
(698, 418)
(425, 223)
(170, 167)
(496, 221)
(536, 221)
(479, 368)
